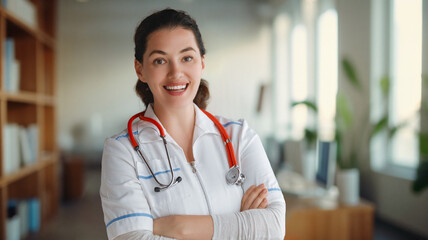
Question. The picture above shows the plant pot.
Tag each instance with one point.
(348, 184)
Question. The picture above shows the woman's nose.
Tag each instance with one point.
(175, 70)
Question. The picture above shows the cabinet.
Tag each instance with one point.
(31, 104)
(323, 218)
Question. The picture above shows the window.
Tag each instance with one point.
(401, 32)
(327, 59)
(281, 71)
(299, 79)
(406, 70)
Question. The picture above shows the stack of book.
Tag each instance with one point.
(11, 66)
(22, 9)
(23, 217)
(20, 146)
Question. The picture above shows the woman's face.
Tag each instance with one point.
(172, 67)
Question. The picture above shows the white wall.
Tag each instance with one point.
(95, 63)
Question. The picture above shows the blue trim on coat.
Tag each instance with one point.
(126, 135)
(129, 215)
(227, 124)
(166, 171)
(274, 189)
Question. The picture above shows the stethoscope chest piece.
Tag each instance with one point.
(234, 176)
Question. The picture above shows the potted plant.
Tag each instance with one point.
(347, 174)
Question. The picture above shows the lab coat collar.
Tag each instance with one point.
(146, 129)
(203, 125)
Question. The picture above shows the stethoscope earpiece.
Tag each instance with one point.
(177, 180)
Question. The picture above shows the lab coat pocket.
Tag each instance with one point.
(160, 202)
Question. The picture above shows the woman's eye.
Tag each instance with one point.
(159, 61)
(187, 59)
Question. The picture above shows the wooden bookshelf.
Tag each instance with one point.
(33, 104)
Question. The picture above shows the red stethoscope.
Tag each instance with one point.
(233, 175)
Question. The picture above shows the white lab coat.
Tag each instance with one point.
(127, 188)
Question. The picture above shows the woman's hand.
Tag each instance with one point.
(165, 226)
(255, 198)
(184, 227)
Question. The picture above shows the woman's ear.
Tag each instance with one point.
(139, 70)
(203, 62)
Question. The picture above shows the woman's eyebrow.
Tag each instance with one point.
(157, 51)
(187, 49)
(164, 53)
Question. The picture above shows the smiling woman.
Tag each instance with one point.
(225, 188)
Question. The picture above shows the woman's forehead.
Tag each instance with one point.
(171, 40)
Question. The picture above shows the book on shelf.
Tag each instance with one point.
(23, 217)
(24, 10)
(11, 151)
(13, 222)
(20, 146)
(11, 66)
(24, 223)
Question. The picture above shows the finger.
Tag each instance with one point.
(264, 204)
(257, 201)
(249, 190)
(252, 196)
(249, 196)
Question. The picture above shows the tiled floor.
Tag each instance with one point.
(83, 220)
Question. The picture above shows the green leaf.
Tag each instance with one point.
(338, 138)
(421, 181)
(344, 115)
(350, 73)
(423, 144)
(311, 136)
(309, 104)
(397, 128)
(379, 126)
(425, 79)
(384, 85)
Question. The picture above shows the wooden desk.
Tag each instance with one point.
(319, 219)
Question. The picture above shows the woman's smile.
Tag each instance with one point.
(176, 89)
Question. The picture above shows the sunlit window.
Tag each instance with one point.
(327, 61)
(406, 70)
(282, 89)
(299, 79)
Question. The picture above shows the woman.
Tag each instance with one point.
(199, 204)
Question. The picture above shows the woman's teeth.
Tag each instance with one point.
(176, 88)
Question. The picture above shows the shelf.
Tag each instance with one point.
(44, 34)
(48, 101)
(15, 23)
(48, 130)
(21, 113)
(28, 103)
(47, 40)
(23, 172)
(48, 160)
(22, 97)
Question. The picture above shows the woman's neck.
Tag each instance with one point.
(176, 120)
(179, 123)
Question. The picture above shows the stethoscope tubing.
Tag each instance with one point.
(233, 165)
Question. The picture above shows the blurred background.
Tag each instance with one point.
(352, 73)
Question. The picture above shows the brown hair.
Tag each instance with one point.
(167, 18)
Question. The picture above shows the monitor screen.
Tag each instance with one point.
(326, 159)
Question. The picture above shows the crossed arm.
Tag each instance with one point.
(198, 226)
(201, 226)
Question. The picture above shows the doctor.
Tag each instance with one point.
(177, 182)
